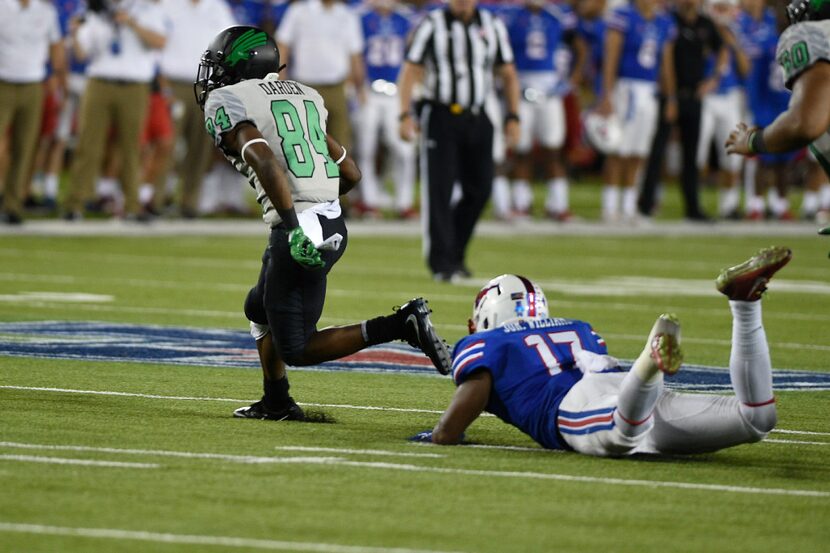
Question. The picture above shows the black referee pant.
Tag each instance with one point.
(688, 121)
(454, 148)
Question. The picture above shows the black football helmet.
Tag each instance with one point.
(808, 10)
(235, 54)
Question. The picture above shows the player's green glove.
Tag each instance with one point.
(303, 250)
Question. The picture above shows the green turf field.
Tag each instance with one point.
(168, 469)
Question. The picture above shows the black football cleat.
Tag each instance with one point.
(421, 334)
(290, 412)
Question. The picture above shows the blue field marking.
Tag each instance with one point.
(117, 342)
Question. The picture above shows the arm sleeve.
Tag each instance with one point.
(355, 34)
(54, 33)
(419, 47)
(286, 31)
(800, 47)
(470, 355)
(617, 20)
(504, 53)
(152, 18)
(223, 111)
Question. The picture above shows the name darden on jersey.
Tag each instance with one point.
(280, 87)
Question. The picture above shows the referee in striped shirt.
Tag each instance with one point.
(454, 52)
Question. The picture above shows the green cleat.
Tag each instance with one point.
(748, 281)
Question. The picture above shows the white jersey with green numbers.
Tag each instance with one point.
(292, 118)
(800, 47)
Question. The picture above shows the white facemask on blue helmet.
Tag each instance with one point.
(505, 299)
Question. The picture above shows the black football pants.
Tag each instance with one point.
(454, 148)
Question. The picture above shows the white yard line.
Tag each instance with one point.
(190, 539)
(584, 479)
(794, 442)
(331, 405)
(339, 461)
(82, 462)
(220, 399)
(378, 452)
(802, 432)
(245, 459)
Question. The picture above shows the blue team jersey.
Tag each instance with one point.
(249, 12)
(532, 365)
(756, 35)
(536, 36)
(67, 9)
(278, 10)
(728, 80)
(592, 32)
(385, 39)
(643, 41)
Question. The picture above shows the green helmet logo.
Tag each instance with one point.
(242, 46)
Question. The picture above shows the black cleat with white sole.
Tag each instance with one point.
(421, 334)
(290, 412)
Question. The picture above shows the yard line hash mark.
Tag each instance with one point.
(191, 539)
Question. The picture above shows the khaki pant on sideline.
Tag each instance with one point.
(106, 104)
(21, 107)
(199, 153)
(338, 125)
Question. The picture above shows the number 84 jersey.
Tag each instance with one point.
(292, 119)
(533, 366)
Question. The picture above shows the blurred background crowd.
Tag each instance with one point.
(97, 114)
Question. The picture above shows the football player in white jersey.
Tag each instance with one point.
(803, 53)
(274, 133)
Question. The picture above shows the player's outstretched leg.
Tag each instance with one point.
(697, 423)
(750, 367)
(643, 385)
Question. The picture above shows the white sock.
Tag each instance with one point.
(728, 200)
(145, 193)
(610, 201)
(755, 204)
(557, 200)
(501, 196)
(629, 202)
(107, 186)
(750, 170)
(750, 368)
(636, 402)
(809, 203)
(824, 196)
(50, 186)
(522, 195)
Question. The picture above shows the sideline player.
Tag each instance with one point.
(803, 52)
(274, 133)
(542, 35)
(552, 377)
(639, 57)
(385, 28)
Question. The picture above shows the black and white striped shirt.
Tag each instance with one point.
(458, 58)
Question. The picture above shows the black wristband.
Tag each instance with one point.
(289, 218)
(512, 116)
(756, 142)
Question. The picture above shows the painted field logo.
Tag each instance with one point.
(98, 341)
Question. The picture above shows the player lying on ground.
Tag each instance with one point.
(274, 133)
(554, 380)
(803, 53)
